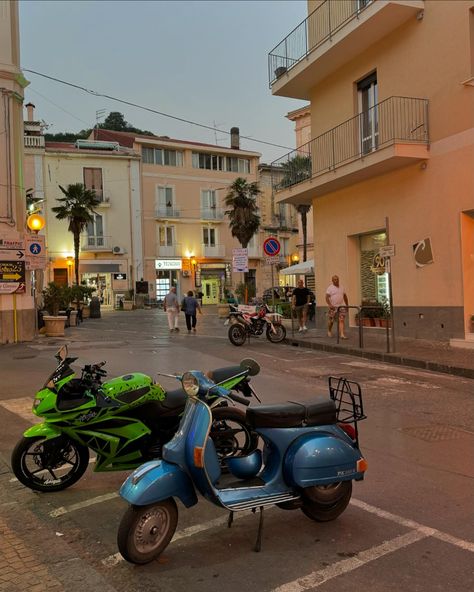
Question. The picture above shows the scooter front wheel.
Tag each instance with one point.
(326, 502)
(49, 465)
(146, 531)
(278, 335)
(237, 334)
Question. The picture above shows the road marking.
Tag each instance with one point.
(13, 479)
(21, 407)
(112, 560)
(90, 502)
(417, 533)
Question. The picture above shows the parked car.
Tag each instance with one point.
(281, 293)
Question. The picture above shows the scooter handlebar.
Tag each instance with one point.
(238, 399)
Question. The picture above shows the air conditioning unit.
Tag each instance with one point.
(118, 250)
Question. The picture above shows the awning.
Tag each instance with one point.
(303, 268)
(99, 267)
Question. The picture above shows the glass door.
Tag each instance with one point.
(369, 125)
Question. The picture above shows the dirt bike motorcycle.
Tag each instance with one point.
(245, 324)
(124, 421)
(310, 458)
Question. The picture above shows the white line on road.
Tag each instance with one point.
(90, 502)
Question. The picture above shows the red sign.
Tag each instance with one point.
(271, 246)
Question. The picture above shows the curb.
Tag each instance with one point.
(396, 359)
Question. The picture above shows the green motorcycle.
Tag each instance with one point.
(124, 421)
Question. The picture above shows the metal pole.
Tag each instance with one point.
(390, 293)
(273, 291)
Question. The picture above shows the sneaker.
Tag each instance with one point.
(329, 334)
(189, 331)
(171, 330)
(194, 330)
(305, 328)
(176, 329)
(344, 337)
(300, 330)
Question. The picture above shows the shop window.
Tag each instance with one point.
(373, 287)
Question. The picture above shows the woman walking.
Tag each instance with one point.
(190, 305)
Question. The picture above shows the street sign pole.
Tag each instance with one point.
(390, 293)
(273, 291)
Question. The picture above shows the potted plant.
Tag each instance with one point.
(386, 313)
(80, 295)
(128, 300)
(55, 298)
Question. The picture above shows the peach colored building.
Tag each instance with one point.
(111, 258)
(186, 238)
(17, 313)
(391, 86)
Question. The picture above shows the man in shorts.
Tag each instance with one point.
(336, 297)
(299, 304)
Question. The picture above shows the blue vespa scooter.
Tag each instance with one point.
(310, 457)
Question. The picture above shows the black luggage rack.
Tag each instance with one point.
(347, 396)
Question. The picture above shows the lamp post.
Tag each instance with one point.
(35, 223)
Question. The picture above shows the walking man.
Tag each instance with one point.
(191, 306)
(299, 303)
(171, 307)
(335, 297)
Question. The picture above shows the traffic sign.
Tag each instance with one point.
(387, 251)
(11, 255)
(35, 252)
(271, 246)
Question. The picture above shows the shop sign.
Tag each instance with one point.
(12, 277)
(378, 265)
(164, 264)
(423, 252)
(240, 260)
(119, 276)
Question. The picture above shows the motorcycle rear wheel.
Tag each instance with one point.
(326, 503)
(49, 465)
(231, 434)
(146, 531)
(237, 334)
(278, 336)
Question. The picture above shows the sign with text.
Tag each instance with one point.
(35, 251)
(387, 251)
(12, 277)
(164, 264)
(240, 260)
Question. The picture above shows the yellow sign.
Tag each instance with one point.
(378, 265)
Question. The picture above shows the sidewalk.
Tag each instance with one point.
(436, 356)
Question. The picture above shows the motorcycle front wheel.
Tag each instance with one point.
(49, 465)
(146, 531)
(231, 434)
(237, 334)
(326, 502)
(278, 336)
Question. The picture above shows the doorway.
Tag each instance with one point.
(210, 291)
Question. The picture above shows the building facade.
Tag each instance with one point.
(390, 162)
(111, 258)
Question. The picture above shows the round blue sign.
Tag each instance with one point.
(35, 248)
(271, 246)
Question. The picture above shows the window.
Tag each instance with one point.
(95, 232)
(284, 246)
(209, 237)
(166, 236)
(162, 156)
(165, 199)
(368, 108)
(208, 203)
(215, 162)
(93, 181)
(238, 165)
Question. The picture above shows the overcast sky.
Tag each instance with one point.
(201, 61)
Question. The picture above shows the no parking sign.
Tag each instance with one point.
(271, 246)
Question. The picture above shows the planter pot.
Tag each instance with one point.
(128, 305)
(73, 318)
(280, 71)
(222, 311)
(367, 322)
(54, 326)
(86, 312)
(385, 323)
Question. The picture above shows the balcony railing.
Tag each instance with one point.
(167, 212)
(212, 214)
(316, 28)
(397, 119)
(170, 250)
(213, 250)
(96, 243)
(34, 141)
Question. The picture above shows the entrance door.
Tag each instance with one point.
(210, 291)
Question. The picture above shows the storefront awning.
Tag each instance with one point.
(303, 268)
(99, 267)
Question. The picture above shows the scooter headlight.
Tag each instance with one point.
(190, 384)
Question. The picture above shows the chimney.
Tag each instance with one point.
(30, 109)
(234, 138)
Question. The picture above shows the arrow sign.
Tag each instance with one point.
(11, 276)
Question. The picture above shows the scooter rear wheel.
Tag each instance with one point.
(146, 531)
(327, 502)
(49, 465)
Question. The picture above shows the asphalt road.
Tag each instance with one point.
(410, 523)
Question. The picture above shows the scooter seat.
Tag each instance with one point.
(292, 415)
(175, 399)
(221, 374)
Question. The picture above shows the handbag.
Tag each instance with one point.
(183, 306)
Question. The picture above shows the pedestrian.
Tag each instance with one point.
(299, 303)
(190, 305)
(171, 307)
(311, 305)
(336, 297)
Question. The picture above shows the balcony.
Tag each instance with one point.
(212, 214)
(96, 243)
(329, 37)
(391, 135)
(165, 212)
(174, 250)
(33, 141)
(217, 251)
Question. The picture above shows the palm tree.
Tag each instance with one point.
(77, 206)
(303, 210)
(244, 220)
(296, 170)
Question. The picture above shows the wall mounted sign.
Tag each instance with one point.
(164, 264)
(422, 252)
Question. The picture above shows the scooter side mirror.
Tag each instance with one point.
(62, 353)
(251, 365)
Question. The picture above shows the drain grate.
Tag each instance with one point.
(438, 433)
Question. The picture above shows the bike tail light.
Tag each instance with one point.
(198, 457)
(349, 429)
(362, 465)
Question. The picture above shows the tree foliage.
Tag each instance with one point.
(296, 170)
(77, 207)
(241, 199)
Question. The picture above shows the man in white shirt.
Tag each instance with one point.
(335, 297)
(171, 307)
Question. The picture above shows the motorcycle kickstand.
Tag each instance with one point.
(258, 542)
(230, 520)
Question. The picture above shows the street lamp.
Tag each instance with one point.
(35, 222)
(295, 258)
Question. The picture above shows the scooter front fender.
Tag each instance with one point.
(42, 430)
(157, 480)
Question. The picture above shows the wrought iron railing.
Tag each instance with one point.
(96, 243)
(212, 213)
(397, 119)
(167, 212)
(316, 28)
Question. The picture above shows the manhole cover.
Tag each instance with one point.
(437, 433)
